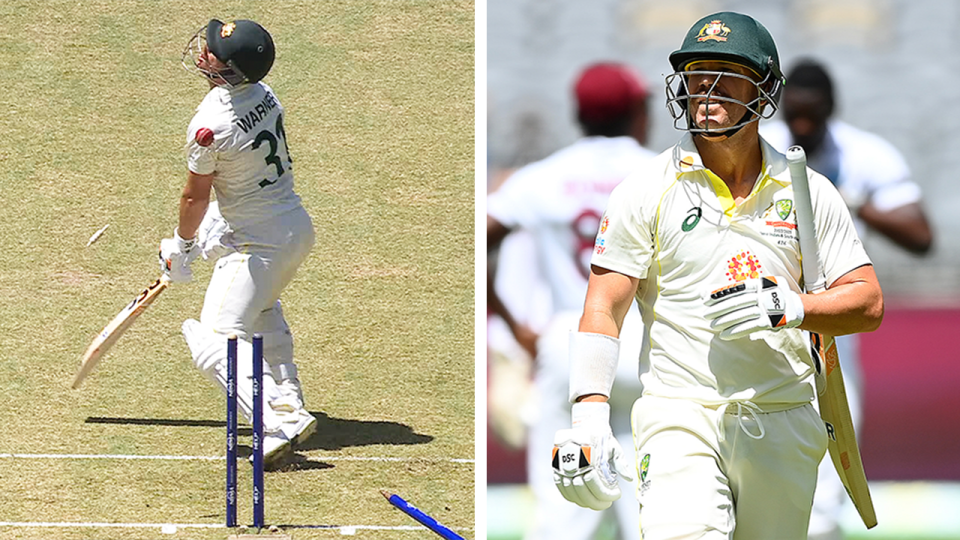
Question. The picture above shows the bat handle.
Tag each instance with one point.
(797, 165)
(796, 157)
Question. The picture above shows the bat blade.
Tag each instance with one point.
(115, 328)
(841, 437)
(834, 408)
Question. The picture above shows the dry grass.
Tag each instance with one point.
(379, 100)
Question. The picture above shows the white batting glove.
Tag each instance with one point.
(210, 235)
(176, 254)
(587, 458)
(765, 303)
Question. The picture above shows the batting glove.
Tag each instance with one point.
(765, 303)
(212, 232)
(588, 458)
(176, 254)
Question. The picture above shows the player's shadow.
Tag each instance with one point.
(338, 433)
(331, 434)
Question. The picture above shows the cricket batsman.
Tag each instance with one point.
(237, 146)
(704, 236)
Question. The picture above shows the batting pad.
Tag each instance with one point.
(593, 364)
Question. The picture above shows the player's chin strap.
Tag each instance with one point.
(743, 409)
(593, 364)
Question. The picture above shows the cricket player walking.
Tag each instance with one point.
(236, 145)
(559, 200)
(705, 238)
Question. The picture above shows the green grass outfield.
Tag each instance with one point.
(379, 99)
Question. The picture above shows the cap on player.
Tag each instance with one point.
(607, 91)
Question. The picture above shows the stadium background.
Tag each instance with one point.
(895, 74)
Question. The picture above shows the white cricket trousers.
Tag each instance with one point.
(242, 299)
(248, 282)
(705, 475)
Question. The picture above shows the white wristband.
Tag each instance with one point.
(593, 364)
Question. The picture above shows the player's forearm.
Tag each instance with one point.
(846, 309)
(907, 226)
(599, 321)
(497, 307)
(193, 203)
(192, 210)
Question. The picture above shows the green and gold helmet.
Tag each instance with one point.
(244, 46)
(730, 37)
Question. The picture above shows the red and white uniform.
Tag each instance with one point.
(559, 201)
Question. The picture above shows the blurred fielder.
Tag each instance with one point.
(237, 146)
(558, 201)
(874, 180)
(704, 237)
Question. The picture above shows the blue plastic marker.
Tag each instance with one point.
(418, 515)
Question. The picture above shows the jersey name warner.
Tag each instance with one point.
(247, 121)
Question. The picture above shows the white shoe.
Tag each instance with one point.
(276, 450)
(300, 429)
(278, 445)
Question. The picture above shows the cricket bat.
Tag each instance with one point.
(834, 409)
(112, 332)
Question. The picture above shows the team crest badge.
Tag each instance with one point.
(714, 30)
(784, 206)
(227, 30)
(644, 467)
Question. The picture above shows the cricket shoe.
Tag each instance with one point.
(277, 450)
(300, 425)
(278, 446)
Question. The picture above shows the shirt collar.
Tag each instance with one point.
(686, 159)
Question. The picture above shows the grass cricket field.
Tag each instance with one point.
(379, 99)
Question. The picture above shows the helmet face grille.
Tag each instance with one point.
(191, 60)
(679, 95)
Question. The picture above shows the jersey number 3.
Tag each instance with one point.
(273, 158)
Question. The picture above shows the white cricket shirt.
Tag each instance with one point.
(254, 172)
(559, 200)
(675, 226)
